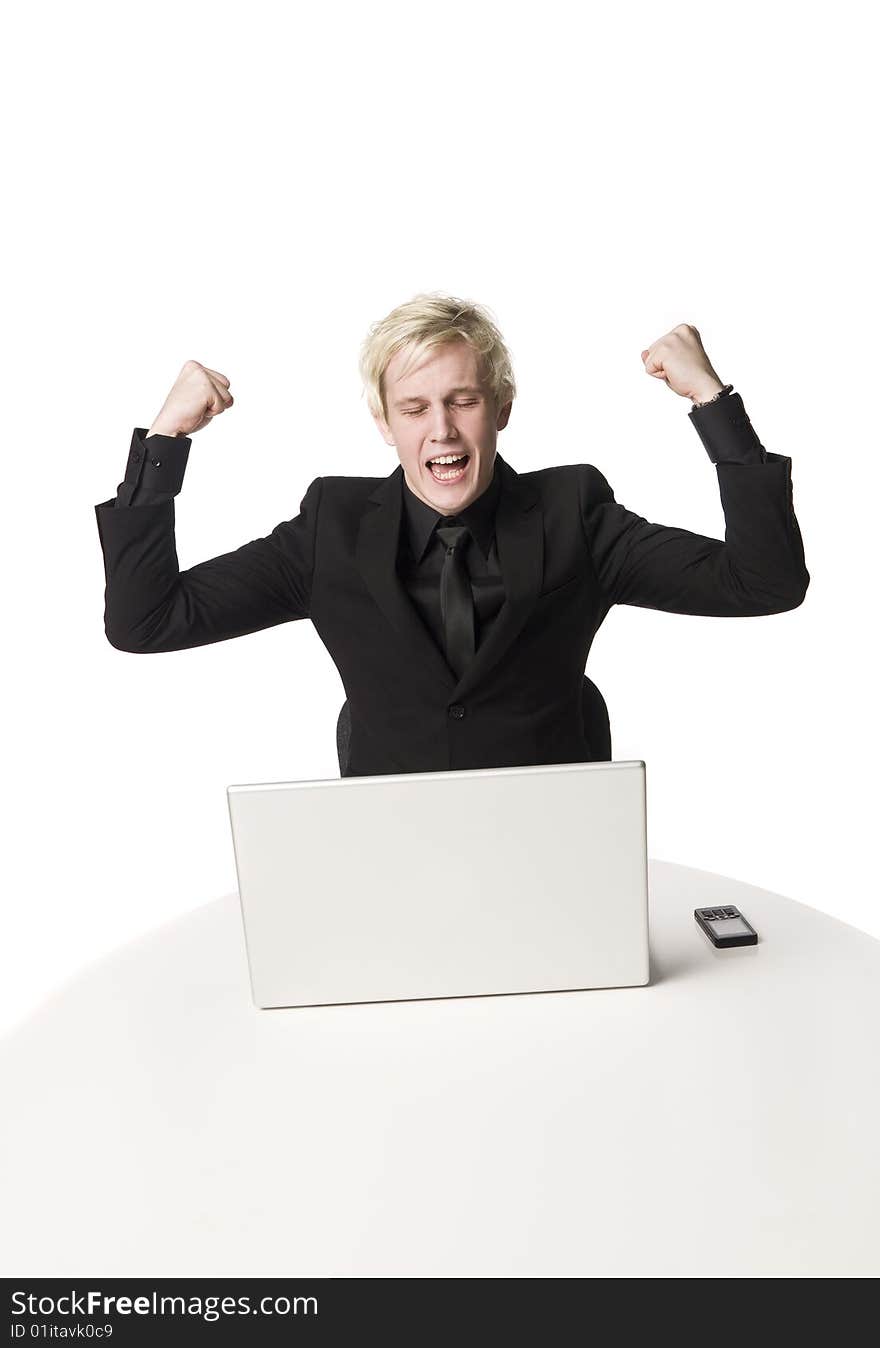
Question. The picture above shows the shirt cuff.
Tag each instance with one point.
(155, 467)
(726, 432)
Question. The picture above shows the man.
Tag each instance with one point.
(457, 598)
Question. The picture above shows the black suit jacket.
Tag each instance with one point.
(568, 552)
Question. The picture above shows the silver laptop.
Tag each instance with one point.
(443, 884)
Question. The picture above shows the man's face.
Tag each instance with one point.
(441, 409)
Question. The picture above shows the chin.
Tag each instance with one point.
(453, 501)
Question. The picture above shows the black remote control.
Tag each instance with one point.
(726, 926)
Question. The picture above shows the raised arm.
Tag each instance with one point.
(150, 605)
(759, 566)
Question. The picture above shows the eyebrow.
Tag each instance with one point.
(417, 398)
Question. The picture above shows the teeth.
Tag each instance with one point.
(447, 458)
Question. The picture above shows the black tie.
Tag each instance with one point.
(456, 598)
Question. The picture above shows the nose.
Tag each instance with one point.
(442, 424)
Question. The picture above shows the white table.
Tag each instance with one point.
(722, 1121)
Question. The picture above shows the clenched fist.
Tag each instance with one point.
(197, 396)
(679, 358)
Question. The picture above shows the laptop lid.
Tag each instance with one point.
(443, 884)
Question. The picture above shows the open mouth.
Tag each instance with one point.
(448, 467)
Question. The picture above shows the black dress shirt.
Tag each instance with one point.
(156, 465)
(421, 554)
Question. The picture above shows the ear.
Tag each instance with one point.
(384, 429)
(503, 416)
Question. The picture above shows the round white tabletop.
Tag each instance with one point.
(721, 1121)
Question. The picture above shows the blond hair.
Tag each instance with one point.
(424, 322)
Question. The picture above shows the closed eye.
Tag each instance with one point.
(417, 411)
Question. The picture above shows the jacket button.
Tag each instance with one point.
(456, 711)
(135, 454)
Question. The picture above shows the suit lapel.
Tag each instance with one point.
(519, 537)
(377, 562)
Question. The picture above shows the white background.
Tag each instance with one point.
(251, 186)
